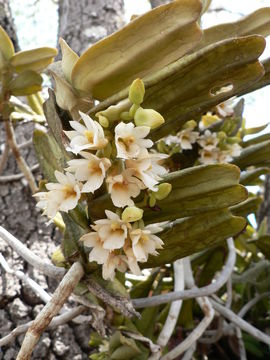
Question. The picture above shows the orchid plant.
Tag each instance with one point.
(145, 163)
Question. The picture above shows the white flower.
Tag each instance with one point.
(113, 262)
(226, 108)
(144, 242)
(147, 168)
(187, 137)
(208, 140)
(129, 140)
(171, 140)
(112, 231)
(91, 169)
(62, 196)
(132, 261)
(234, 150)
(98, 253)
(209, 156)
(123, 187)
(90, 136)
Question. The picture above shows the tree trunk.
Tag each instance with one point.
(155, 3)
(82, 23)
(6, 21)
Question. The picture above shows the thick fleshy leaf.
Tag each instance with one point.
(36, 59)
(254, 155)
(71, 247)
(249, 206)
(187, 236)
(26, 83)
(256, 23)
(6, 46)
(249, 177)
(194, 190)
(263, 244)
(49, 154)
(69, 58)
(264, 81)
(54, 121)
(147, 43)
(186, 88)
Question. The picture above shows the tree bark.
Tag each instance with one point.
(82, 23)
(155, 3)
(6, 21)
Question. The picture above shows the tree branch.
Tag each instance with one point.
(57, 321)
(26, 279)
(64, 289)
(192, 293)
(239, 322)
(44, 266)
(120, 303)
(11, 139)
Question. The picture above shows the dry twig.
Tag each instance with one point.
(44, 266)
(63, 291)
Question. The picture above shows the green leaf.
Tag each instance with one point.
(36, 59)
(54, 122)
(198, 189)
(255, 130)
(256, 23)
(254, 155)
(263, 243)
(70, 244)
(264, 81)
(114, 62)
(6, 46)
(49, 154)
(213, 264)
(184, 237)
(249, 206)
(26, 83)
(249, 177)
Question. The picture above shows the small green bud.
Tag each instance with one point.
(148, 117)
(136, 92)
(163, 191)
(131, 214)
(125, 116)
(58, 258)
(233, 140)
(152, 200)
(191, 124)
(133, 110)
(104, 122)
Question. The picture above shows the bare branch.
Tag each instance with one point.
(11, 139)
(192, 293)
(120, 303)
(15, 177)
(207, 309)
(63, 291)
(4, 158)
(57, 321)
(44, 266)
(26, 279)
(250, 275)
(251, 303)
(239, 322)
(175, 308)
(242, 349)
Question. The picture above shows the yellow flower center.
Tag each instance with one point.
(115, 226)
(69, 191)
(89, 135)
(127, 141)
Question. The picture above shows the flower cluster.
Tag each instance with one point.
(117, 154)
(213, 147)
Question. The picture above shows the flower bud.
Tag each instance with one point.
(136, 92)
(104, 122)
(209, 119)
(163, 191)
(148, 117)
(152, 200)
(131, 214)
(191, 124)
